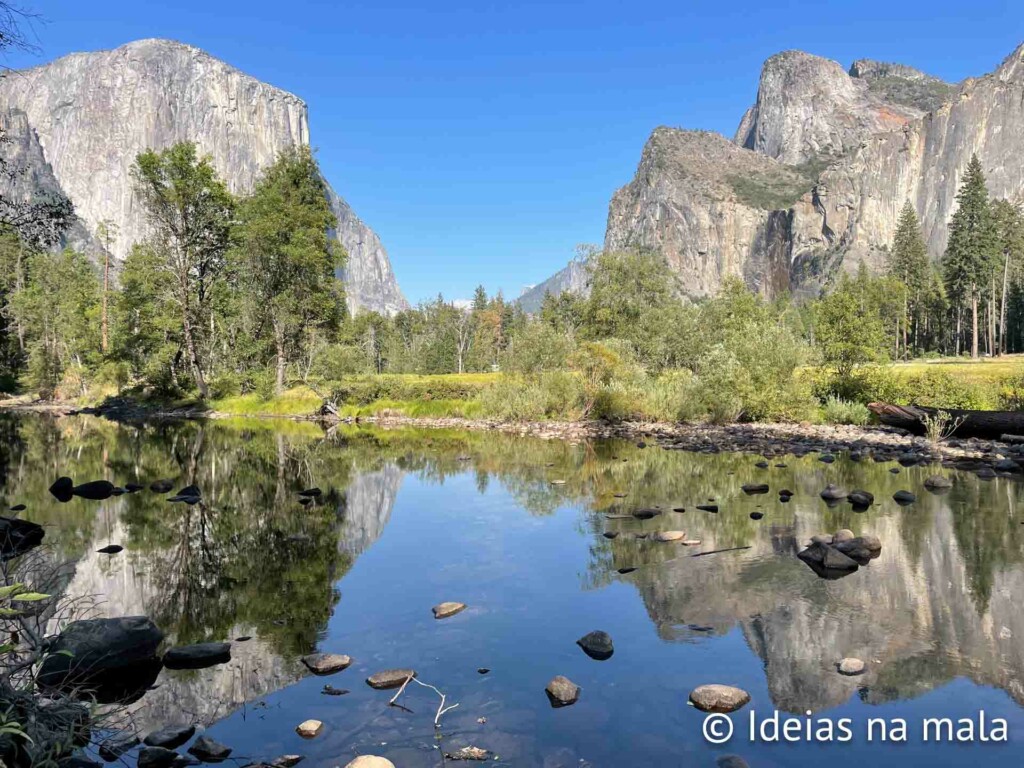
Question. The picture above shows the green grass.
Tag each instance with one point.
(300, 401)
(985, 370)
(421, 409)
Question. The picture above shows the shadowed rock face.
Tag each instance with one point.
(94, 112)
(573, 278)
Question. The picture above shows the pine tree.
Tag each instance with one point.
(971, 249)
(1009, 224)
(908, 262)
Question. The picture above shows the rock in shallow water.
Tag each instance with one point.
(96, 646)
(719, 698)
(562, 692)
(157, 757)
(370, 761)
(597, 645)
(851, 667)
(903, 498)
(444, 610)
(170, 736)
(834, 493)
(938, 483)
(96, 490)
(198, 656)
(666, 536)
(18, 537)
(209, 751)
(326, 663)
(389, 678)
(62, 489)
(861, 498)
(115, 746)
(307, 729)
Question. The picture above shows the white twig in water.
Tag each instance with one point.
(441, 708)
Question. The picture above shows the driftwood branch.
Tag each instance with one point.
(441, 708)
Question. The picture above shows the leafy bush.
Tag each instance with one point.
(837, 411)
(553, 395)
(935, 387)
(537, 347)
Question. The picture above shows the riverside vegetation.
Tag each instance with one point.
(235, 302)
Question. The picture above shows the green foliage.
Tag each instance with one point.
(537, 347)
(772, 191)
(838, 411)
(850, 323)
(926, 94)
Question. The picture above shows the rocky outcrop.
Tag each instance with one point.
(92, 113)
(864, 141)
(573, 278)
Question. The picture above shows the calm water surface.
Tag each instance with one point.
(413, 518)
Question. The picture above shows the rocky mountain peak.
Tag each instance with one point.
(93, 113)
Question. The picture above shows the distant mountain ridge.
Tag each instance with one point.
(819, 168)
(92, 113)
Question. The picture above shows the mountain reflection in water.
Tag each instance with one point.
(412, 518)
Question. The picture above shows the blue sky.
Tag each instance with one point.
(482, 140)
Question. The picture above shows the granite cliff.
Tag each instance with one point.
(92, 113)
(819, 168)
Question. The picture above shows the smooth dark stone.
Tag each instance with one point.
(95, 490)
(111, 549)
(133, 487)
(170, 736)
(111, 749)
(18, 537)
(597, 645)
(197, 656)
(861, 498)
(610, 534)
(161, 486)
(190, 495)
(96, 646)
(311, 492)
(708, 507)
(157, 757)
(18, 508)
(755, 489)
(827, 458)
(330, 690)
(646, 514)
(209, 751)
(62, 489)
(756, 515)
(624, 571)
(903, 498)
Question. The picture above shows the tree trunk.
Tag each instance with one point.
(974, 323)
(281, 360)
(193, 356)
(1002, 306)
(106, 287)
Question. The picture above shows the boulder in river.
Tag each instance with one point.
(61, 489)
(95, 490)
(719, 698)
(326, 663)
(209, 751)
(755, 489)
(133, 487)
(666, 536)
(389, 678)
(646, 514)
(833, 492)
(110, 549)
(170, 736)
(862, 499)
(198, 656)
(190, 495)
(562, 692)
(112, 748)
(904, 498)
(157, 757)
(370, 761)
(307, 729)
(85, 650)
(444, 610)
(851, 667)
(597, 645)
(468, 753)
(18, 537)
(938, 483)
(756, 515)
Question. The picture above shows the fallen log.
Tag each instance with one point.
(987, 425)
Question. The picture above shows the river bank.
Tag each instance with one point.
(770, 440)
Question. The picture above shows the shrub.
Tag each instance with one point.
(537, 347)
(838, 411)
(557, 395)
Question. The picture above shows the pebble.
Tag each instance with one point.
(666, 536)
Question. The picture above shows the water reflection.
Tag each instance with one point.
(431, 516)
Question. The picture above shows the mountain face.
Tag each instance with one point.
(573, 278)
(819, 168)
(92, 113)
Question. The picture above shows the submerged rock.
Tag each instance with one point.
(719, 698)
(389, 678)
(666, 536)
(755, 489)
(18, 537)
(190, 495)
(198, 656)
(851, 667)
(708, 507)
(161, 486)
(834, 493)
(326, 663)
(861, 498)
(95, 490)
(597, 645)
(170, 736)
(938, 483)
(18, 508)
(209, 751)
(370, 761)
(904, 498)
(88, 649)
(562, 692)
(133, 487)
(62, 489)
(113, 747)
(157, 757)
(756, 515)
(468, 753)
(646, 514)
(444, 610)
